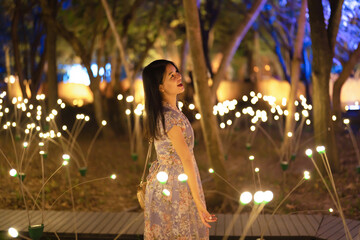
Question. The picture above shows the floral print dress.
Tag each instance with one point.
(170, 211)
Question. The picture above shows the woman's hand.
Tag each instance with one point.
(205, 216)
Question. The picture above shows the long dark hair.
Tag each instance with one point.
(152, 78)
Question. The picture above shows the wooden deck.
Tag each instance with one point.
(108, 225)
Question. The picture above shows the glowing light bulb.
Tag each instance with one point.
(237, 114)
(308, 121)
(87, 118)
(13, 172)
(162, 177)
(252, 128)
(308, 152)
(252, 94)
(211, 170)
(65, 163)
(289, 134)
(103, 122)
(331, 210)
(62, 105)
(245, 98)
(268, 196)
(320, 149)
(127, 111)
(222, 125)
(25, 144)
(120, 97)
(229, 122)
(259, 197)
(191, 106)
(251, 157)
(66, 157)
(59, 101)
(245, 197)
(182, 177)
(306, 175)
(198, 116)
(129, 99)
(257, 170)
(64, 127)
(346, 121)
(13, 232)
(333, 118)
(166, 192)
(113, 176)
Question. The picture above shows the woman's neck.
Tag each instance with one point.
(170, 100)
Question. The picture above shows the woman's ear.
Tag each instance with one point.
(161, 88)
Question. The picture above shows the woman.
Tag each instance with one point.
(174, 209)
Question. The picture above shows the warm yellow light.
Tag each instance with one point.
(267, 67)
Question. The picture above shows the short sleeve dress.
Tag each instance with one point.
(170, 211)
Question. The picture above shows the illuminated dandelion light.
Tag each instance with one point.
(251, 157)
(166, 192)
(245, 198)
(65, 163)
(259, 197)
(268, 196)
(320, 149)
(25, 144)
(13, 232)
(289, 134)
(66, 157)
(306, 175)
(331, 210)
(162, 177)
(211, 170)
(182, 177)
(346, 121)
(252, 128)
(129, 99)
(222, 125)
(198, 116)
(191, 106)
(308, 152)
(113, 176)
(13, 172)
(103, 122)
(120, 97)
(257, 170)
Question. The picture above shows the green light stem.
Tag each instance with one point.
(93, 141)
(43, 192)
(47, 182)
(23, 196)
(270, 139)
(232, 186)
(253, 215)
(2, 153)
(336, 196)
(93, 180)
(253, 174)
(323, 180)
(302, 180)
(233, 220)
(354, 142)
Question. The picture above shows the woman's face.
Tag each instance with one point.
(172, 81)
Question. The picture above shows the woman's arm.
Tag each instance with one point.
(177, 139)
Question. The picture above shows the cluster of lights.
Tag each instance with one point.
(66, 158)
(259, 197)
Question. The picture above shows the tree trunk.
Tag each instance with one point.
(347, 69)
(295, 75)
(235, 41)
(15, 43)
(51, 61)
(323, 52)
(208, 121)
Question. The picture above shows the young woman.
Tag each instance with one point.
(174, 209)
